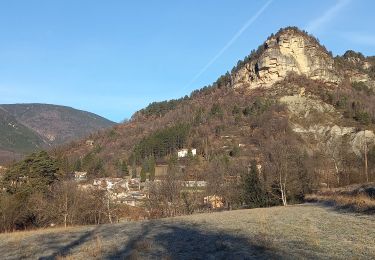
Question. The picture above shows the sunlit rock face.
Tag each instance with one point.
(288, 51)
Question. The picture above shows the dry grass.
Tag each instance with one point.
(143, 245)
(140, 248)
(359, 203)
(67, 257)
(264, 238)
(134, 255)
(94, 248)
(305, 231)
(22, 233)
(356, 197)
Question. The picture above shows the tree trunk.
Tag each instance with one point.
(282, 191)
(65, 209)
(109, 210)
(366, 165)
(337, 172)
(65, 219)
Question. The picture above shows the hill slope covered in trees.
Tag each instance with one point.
(290, 93)
(25, 128)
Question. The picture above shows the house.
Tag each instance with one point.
(79, 176)
(132, 199)
(109, 183)
(184, 152)
(134, 184)
(197, 184)
(90, 142)
(161, 170)
(214, 201)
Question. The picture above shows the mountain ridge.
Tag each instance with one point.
(45, 125)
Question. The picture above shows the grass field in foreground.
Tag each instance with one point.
(301, 231)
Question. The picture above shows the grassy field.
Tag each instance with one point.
(307, 231)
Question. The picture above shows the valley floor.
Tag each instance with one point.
(302, 231)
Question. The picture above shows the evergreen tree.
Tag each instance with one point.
(161, 143)
(253, 194)
(134, 172)
(124, 168)
(34, 174)
(151, 168)
(77, 165)
(143, 175)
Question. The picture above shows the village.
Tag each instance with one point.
(134, 192)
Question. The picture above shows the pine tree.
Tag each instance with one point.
(151, 168)
(134, 172)
(34, 174)
(253, 194)
(124, 168)
(143, 175)
(77, 165)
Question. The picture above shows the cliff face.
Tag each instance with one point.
(318, 123)
(358, 68)
(321, 125)
(288, 51)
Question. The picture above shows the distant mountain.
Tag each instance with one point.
(28, 127)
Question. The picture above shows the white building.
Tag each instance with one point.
(192, 184)
(90, 142)
(79, 176)
(184, 152)
(110, 183)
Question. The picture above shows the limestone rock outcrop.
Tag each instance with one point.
(288, 51)
(315, 120)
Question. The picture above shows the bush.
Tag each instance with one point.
(259, 106)
(362, 117)
(216, 110)
(362, 87)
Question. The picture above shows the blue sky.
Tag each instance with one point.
(115, 57)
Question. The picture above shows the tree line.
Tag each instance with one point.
(36, 193)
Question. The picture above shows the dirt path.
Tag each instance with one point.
(301, 231)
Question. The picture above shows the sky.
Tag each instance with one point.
(114, 57)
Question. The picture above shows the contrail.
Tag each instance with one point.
(230, 42)
(327, 16)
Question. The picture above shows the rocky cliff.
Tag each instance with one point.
(290, 50)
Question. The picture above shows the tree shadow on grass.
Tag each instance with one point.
(54, 244)
(182, 241)
(174, 239)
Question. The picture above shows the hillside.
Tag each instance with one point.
(28, 127)
(15, 137)
(291, 89)
(288, 120)
(296, 232)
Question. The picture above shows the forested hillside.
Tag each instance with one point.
(25, 128)
(310, 113)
